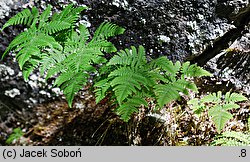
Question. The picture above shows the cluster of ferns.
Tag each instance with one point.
(58, 47)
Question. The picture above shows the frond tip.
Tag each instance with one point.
(21, 18)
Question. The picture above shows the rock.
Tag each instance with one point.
(5, 8)
(12, 93)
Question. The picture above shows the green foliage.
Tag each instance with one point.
(55, 46)
(59, 48)
(233, 138)
(17, 133)
(131, 78)
(218, 106)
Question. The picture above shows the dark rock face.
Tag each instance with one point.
(163, 27)
(175, 28)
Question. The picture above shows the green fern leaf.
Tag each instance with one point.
(123, 57)
(106, 30)
(240, 136)
(227, 142)
(156, 77)
(56, 26)
(84, 33)
(34, 17)
(232, 138)
(24, 55)
(197, 106)
(124, 88)
(102, 45)
(65, 12)
(28, 67)
(58, 67)
(234, 97)
(129, 57)
(165, 64)
(20, 39)
(230, 106)
(71, 83)
(44, 17)
(131, 106)
(20, 18)
(193, 70)
(165, 94)
(126, 82)
(16, 134)
(214, 98)
(219, 116)
(101, 88)
(50, 60)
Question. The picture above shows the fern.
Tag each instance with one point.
(233, 138)
(193, 70)
(132, 76)
(130, 107)
(219, 108)
(16, 134)
(21, 18)
(107, 30)
(56, 47)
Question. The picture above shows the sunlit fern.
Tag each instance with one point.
(56, 46)
(219, 106)
(132, 78)
(233, 138)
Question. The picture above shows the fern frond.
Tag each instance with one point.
(193, 70)
(126, 81)
(101, 89)
(165, 64)
(57, 68)
(106, 30)
(232, 138)
(156, 77)
(44, 17)
(129, 57)
(219, 116)
(70, 83)
(69, 14)
(33, 18)
(24, 54)
(21, 18)
(20, 39)
(51, 59)
(32, 48)
(123, 57)
(103, 45)
(197, 106)
(229, 106)
(55, 26)
(83, 33)
(42, 40)
(182, 85)
(29, 66)
(131, 106)
(213, 97)
(165, 94)
(234, 97)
